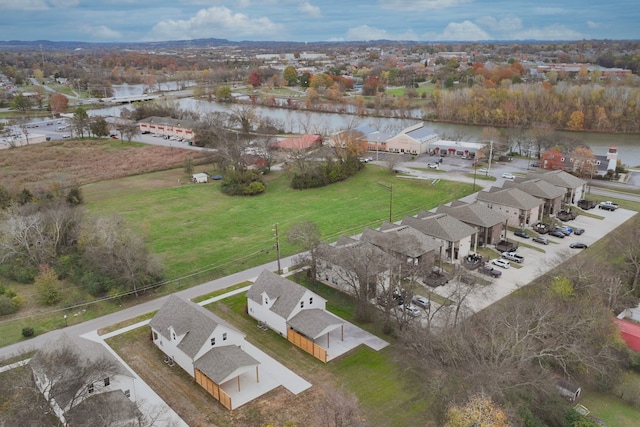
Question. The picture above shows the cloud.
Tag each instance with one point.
(592, 24)
(216, 22)
(509, 23)
(421, 4)
(551, 32)
(365, 32)
(309, 9)
(463, 31)
(100, 32)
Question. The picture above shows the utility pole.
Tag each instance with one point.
(490, 156)
(389, 188)
(275, 229)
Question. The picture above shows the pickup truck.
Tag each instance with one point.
(512, 256)
(506, 246)
(608, 206)
(490, 271)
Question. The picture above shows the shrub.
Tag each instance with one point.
(7, 305)
(243, 183)
(27, 332)
(48, 285)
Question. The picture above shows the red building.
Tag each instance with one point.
(630, 333)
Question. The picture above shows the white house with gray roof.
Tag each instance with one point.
(201, 344)
(488, 222)
(286, 306)
(78, 376)
(551, 194)
(521, 209)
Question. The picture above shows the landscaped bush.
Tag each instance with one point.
(326, 173)
(27, 332)
(243, 183)
(7, 305)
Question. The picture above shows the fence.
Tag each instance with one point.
(307, 345)
(213, 389)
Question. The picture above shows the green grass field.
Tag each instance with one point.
(196, 227)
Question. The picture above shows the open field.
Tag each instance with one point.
(78, 162)
(196, 227)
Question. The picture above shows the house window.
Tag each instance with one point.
(90, 389)
(224, 336)
(213, 341)
(301, 304)
(127, 393)
(310, 300)
(107, 381)
(155, 336)
(173, 335)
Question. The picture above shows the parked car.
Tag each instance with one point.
(578, 231)
(433, 165)
(114, 136)
(502, 263)
(557, 233)
(66, 135)
(565, 229)
(578, 245)
(508, 175)
(421, 301)
(412, 310)
(586, 204)
(490, 271)
(566, 215)
(542, 240)
(608, 206)
(522, 234)
(512, 256)
(561, 230)
(483, 170)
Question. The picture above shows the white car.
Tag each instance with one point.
(433, 165)
(483, 170)
(508, 175)
(421, 301)
(66, 135)
(502, 263)
(412, 310)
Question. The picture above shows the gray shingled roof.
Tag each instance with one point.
(91, 411)
(511, 197)
(558, 178)
(402, 239)
(355, 255)
(82, 350)
(440, 226)
(314, 323)
(537, 188)
(473, 213)
(186, 318)
(220, 364)
(284, 292)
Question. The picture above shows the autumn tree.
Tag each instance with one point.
(49, 287)
(254, 79)
(479, 410)
(98, 126)
(223, 93)
(583, 160)
(576, 121)
(552, 160)
(58, 103)
(290, 75)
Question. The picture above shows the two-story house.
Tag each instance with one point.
(521, 209)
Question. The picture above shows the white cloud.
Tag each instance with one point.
(309, 9)
(421, 4)
(551, 32)
(463, 31)
(100, 32)
(509, 23)
(216, 22)
(592, 24)
(365, 32)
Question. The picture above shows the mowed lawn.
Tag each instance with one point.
(195, 227)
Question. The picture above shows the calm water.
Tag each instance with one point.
(299, 121)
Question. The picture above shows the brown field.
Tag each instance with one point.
(79, 162)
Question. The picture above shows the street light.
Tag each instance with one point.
(389, 188)
(65, 321)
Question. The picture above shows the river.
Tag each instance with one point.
(302, 121)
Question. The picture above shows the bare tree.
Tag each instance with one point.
(306, 235)
(110, 247)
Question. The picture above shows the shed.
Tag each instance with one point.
(200, 178)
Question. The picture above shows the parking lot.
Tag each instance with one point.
(536, 263)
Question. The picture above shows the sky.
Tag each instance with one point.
(317, 20)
